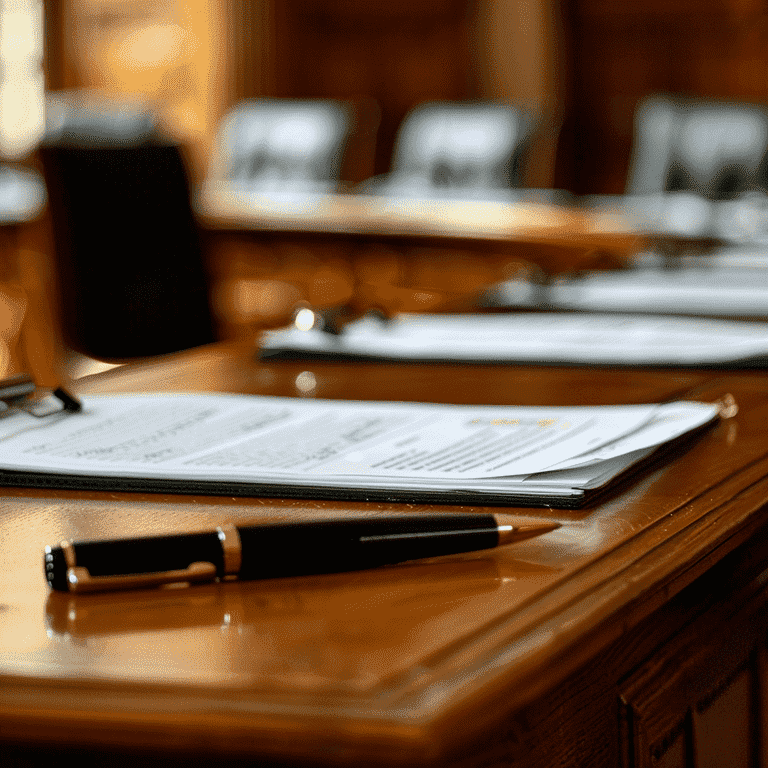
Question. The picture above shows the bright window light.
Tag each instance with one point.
(22, 95)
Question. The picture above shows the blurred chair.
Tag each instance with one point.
(82, 118)
(473, 151)
(714, 149)
(279, 145)
(131, 275)
(463, 150)
(698, 170)
(285, 149)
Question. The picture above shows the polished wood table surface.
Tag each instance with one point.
(619, 639)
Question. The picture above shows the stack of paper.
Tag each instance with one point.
(597, 339)
(248, 445)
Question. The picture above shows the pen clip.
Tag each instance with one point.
(80, 580)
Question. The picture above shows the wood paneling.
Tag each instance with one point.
(398, 53)
(694, 703)
(173, 54)
(618, 53)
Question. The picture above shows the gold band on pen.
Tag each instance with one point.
(69, 554)
(231, 547)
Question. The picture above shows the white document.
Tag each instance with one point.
(709, 289)
(310, 444)
(536, 337)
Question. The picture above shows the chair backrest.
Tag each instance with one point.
(283, 144)
(132, 278)
(84, 119)
(461, 146)
(715, 149)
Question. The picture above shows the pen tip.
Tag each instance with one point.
(509, 534)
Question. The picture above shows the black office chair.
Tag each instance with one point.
(130, 265)
(473, 150)
(714, 149)
(277, 145)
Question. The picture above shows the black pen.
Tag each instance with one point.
(274, 550)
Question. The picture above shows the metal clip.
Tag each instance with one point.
(80, 580)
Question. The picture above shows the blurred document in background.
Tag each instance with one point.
(726, 285)
(599, 339)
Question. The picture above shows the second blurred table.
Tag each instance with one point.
(541, 226)
(401, 254)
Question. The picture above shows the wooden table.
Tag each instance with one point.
(533, 223)
(363, 252)
(614, 224)
(367, 252)
(556, 238)
(633, 635)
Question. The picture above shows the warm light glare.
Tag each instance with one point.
(166, 53)
(305, 319)
(158, 45)
(306, 383)
(22, 116)
(22, 32)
